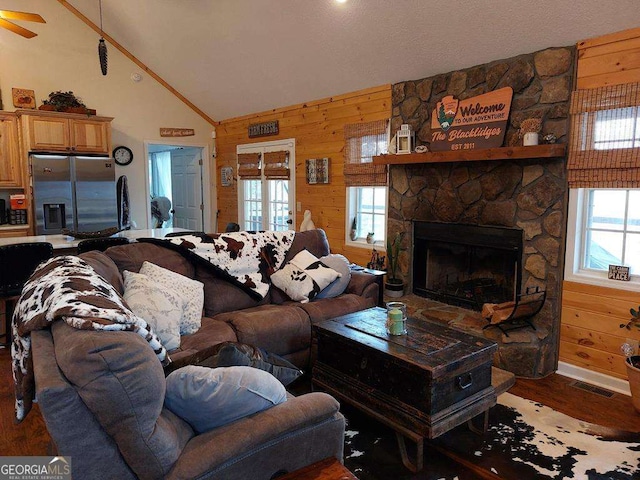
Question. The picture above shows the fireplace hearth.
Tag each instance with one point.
(467, 265)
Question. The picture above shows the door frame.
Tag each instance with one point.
(289, 144)
(209, 197)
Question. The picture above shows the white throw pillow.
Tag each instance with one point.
(191, 291)
(303, 277)
(210, 397)
(341, 265)
(161, 307)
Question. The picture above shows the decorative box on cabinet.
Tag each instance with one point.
(10, 170)
(65, 132)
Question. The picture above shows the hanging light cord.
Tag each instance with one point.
(102, 47)
(101, 34)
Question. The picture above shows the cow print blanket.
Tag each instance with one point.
(248, 259)
(67, 288)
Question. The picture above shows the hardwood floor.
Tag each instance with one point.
(31, 438)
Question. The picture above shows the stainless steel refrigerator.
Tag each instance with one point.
(74, 193)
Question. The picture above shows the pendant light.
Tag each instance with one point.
(102, 47)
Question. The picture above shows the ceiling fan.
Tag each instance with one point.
(6, 15)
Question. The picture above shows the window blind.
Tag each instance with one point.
(604, 151)
(276, 165)
(249, 166)
(362, 142)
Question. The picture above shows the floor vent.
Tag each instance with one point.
(592, 388)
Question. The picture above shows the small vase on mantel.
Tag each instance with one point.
(530, 138)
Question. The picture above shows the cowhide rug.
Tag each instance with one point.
(525, 440)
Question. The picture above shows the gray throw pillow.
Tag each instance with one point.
(207, 398)
(341, 265)
(230, 354)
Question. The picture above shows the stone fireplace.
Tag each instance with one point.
(466, 265)
(528, 196)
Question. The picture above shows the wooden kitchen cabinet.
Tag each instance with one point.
(10, 168)
(67, 133)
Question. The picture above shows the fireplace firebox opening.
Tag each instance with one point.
(466, 265)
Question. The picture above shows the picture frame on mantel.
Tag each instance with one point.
(317, 170)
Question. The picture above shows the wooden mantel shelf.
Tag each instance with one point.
(553, 150)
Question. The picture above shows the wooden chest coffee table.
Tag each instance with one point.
(421, 384)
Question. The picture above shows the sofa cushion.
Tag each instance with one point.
(132, 256)
(160, 306)
(191, 292)
(199, 346)
(105, 267)
(220, 295)
(315, 241)
(210, 397)
(341, 265)
(229, 354)
(303, 277)
(121, 381)
(280, 329)
(334, 307)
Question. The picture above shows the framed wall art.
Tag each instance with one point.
(23, 98)
(317, 170)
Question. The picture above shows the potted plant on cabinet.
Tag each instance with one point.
(394, 285)
(633, 361)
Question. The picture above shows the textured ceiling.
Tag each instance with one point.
(234, 57)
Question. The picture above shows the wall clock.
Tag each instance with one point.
(122, 155)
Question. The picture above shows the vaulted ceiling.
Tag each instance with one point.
(234, 57)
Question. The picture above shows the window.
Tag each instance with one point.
(366, 183)
(611, 229)
(265, 192)
(618, 128)
(604, 180)
(368, 205)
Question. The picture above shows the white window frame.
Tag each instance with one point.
(361, 242)
(573, 271)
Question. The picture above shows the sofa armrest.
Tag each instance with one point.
(359, 282)
(290, 435)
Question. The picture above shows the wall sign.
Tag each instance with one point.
(226, 176)
(177, 132)
(264, 129)
(618, 272)
(477, 122)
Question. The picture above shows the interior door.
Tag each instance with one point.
(267, 204)
(186, 188)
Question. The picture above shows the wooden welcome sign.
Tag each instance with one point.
(477, 122)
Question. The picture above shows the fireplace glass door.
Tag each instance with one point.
(466, 265)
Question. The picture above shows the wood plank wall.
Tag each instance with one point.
(590, 333)
(317, 127)
(609, 60)
(590, 336)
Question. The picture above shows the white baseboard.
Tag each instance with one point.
(594, 378)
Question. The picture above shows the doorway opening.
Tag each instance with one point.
(176, 192)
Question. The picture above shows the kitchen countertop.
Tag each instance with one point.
(61, 242)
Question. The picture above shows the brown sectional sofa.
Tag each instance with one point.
(107, 388)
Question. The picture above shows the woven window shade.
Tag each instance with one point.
(249, 166)
(604, 151)
(358, 169)
(276, 165)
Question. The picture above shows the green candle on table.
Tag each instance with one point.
(395, 321)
